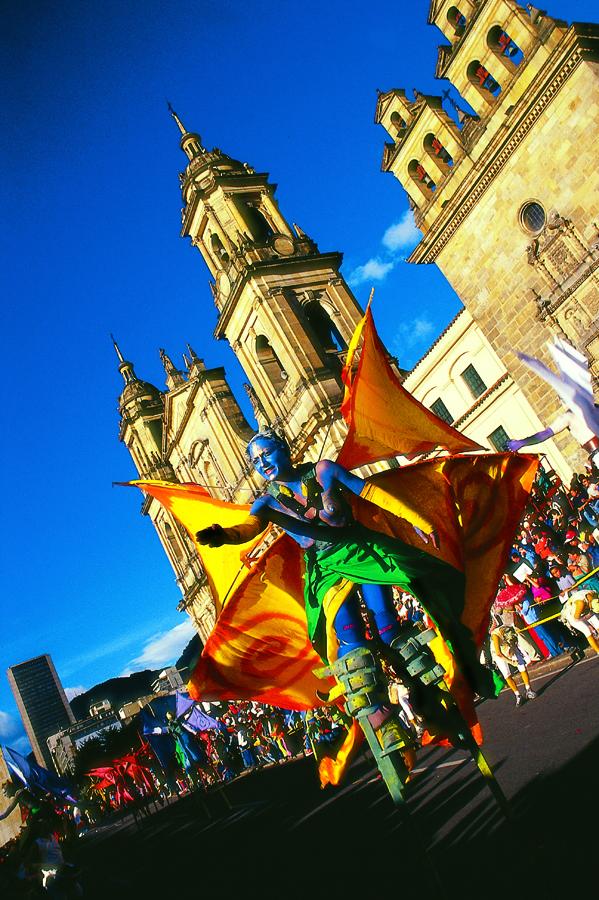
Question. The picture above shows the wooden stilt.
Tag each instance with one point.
(390, 765)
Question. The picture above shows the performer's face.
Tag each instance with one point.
(270, 459)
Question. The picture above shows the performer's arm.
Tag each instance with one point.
(215, 535)
(537, 438)
(260, 515)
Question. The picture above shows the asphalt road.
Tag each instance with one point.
(275, 834)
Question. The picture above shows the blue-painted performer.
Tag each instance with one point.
(311, 503)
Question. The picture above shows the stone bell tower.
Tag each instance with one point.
(283, 306)
(287, 314)
(507, 197)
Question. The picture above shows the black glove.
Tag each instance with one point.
(213, 536)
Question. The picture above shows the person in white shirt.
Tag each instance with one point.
(507, 655)
(580, 609)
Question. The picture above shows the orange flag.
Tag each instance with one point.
(259, 648)
(384, 419)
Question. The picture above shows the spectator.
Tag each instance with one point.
(552, 634)
(563, 578)
(507, 655)
(588, 545)
(579, 564)
(581, 611)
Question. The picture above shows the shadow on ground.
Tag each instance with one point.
(276, 834)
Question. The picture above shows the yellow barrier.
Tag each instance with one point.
(572, 587)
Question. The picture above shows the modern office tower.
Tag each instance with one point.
(42, 703)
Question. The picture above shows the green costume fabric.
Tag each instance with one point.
(375, 558)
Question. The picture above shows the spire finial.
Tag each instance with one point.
(461, 114)
(117, 350)
(180, 124)
(173, 376)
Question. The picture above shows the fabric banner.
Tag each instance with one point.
(183, 703)
(36, 777)
(197, 720)
(384, 419)
(259, 647)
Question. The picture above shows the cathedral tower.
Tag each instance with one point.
(506, 196)
(288, 316)
(282, 305)
(141, 407)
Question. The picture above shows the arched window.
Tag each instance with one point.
(457, 20)
(324, 330)
(270, 362)
(173, 542)
(419, 174)
(260, 229)
(437, 151)
(504, 47)
(398, 123)
(218, 248)
(487, 86)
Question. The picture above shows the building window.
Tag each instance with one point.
(532, 217)
(474, 381)
(260, 228)
(325, 331)
(482, 79)
(498, 439)
(503, 46)
(218, 248)
(398, 122)
(437, 151)
(440, 410)
(270, 362)
(419, 174)
(457, 19)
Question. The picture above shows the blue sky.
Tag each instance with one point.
(90, 234)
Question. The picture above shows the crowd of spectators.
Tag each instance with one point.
(548, 599)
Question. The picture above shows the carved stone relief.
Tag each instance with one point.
(557, 251)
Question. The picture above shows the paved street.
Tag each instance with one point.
(276, 834)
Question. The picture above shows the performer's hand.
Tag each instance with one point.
(514, 446)
(432, 538)
(421, 534)
(213, 536)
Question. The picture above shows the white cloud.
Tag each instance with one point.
(74, 691)
(373, 270)
(403, 234)
(412, 333)
(163, 649)
(110, 648)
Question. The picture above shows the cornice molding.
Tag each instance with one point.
(504, 379)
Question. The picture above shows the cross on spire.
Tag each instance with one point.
(180, 124)
(461, 113)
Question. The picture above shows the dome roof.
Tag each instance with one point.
(140, 390)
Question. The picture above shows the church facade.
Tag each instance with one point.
(507, 196)
(287, 314)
